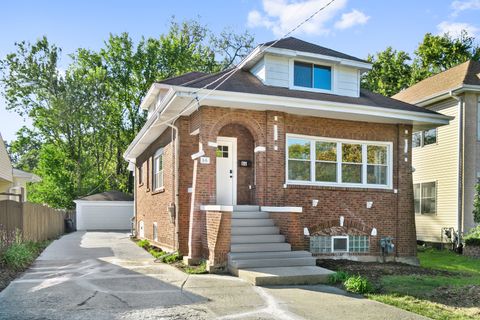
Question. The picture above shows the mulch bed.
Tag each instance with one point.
(7, 276)
(375, 270)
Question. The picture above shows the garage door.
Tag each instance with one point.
(104, 217)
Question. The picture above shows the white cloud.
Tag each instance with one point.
(351, 19)
(281, 16)
(454, 29)
(459, 6)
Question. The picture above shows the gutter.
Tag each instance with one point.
(176, 196)
(461, 134)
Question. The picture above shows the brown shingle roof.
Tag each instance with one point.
(464, 73)
(292, 43)
(108, 196)
(244, 82)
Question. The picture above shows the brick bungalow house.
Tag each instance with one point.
(288, 153)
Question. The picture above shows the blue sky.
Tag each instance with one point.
(356, 27)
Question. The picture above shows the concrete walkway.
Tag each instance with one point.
(104, 275)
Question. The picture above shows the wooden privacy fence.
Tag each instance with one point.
(36, 222)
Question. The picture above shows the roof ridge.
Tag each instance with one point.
(436, 75)
(471, 64)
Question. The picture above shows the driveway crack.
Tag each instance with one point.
(86, 300)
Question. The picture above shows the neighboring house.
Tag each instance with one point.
(13, 181)
(446, 160)
(287, 152)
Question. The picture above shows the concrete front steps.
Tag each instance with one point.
(260, 255)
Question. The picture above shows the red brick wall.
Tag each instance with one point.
(216, 235)
(152, 206)
(392, 213)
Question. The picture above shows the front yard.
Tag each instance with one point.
(445, 286)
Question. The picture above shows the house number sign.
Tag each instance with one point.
(205, 160)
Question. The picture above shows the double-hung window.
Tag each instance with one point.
(424, 138)
(157, 177)
(310, 75)
(425, 197)
(336, 162)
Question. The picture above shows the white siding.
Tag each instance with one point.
(275, 71)
(258, 70)
(347, 81)
(438, 162)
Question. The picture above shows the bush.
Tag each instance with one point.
(200, 269)
(19, 255)
(171, 258)
(473, 237)
(145, 244)
(338, 277)
(156, 253)
(357, 284)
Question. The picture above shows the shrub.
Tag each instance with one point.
(200, 269)
(338, 277)
(156, 253)
(171, 258)
(357, 284)
(144, 243)
(473, 237)
(19, 255)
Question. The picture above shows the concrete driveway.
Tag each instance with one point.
(104, 275)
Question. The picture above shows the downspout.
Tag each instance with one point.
(460, 168)
(176, 180)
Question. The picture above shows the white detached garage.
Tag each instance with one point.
(111, 210)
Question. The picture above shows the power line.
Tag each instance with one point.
(230, 73)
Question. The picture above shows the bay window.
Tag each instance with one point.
(337, 162)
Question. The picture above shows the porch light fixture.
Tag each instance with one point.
(198, 154)
(306, 232)
(374, 232)
(342, 219)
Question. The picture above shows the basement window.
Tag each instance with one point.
(332, 244)
(340, 244)
(155, 232)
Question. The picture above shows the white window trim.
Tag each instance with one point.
(291, 64)
(157, 155)
(340, 237)
(421, 197)
(364, 184)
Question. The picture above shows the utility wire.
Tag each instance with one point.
(227, 75)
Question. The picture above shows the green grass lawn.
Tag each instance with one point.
(454, 295)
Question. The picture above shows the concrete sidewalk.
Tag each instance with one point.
(104, 275)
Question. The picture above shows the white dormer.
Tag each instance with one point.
(326, 72)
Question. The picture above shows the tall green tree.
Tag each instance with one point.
(395, 70)
(390, 73)
(84, 118)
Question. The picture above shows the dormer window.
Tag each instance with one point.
(310, 75)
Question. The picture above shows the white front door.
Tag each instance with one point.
(226, 154)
